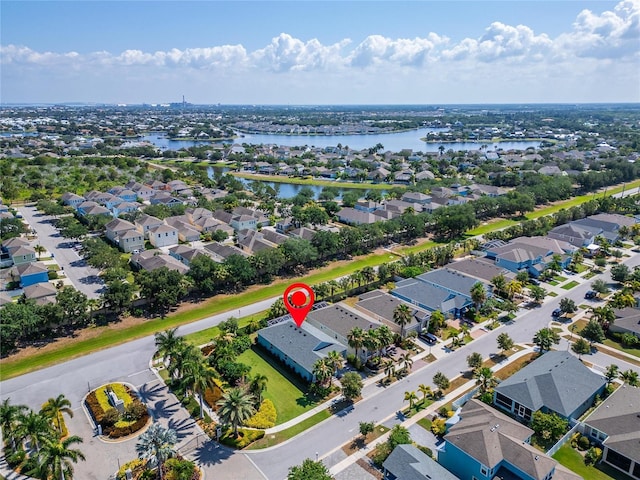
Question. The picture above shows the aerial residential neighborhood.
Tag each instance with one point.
(319, 240)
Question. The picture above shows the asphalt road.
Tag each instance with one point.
(84, 277)
(130, 362)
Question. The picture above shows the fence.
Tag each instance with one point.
(575, 428)
(463, 399)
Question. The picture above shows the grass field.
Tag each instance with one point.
(275, 438)
(283, 389)
(316, 182)
(571, 459)
(569, 285)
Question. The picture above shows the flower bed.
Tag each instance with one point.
(114, 424)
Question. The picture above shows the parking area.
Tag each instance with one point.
(83, 277)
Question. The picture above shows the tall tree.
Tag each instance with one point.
(309, 470)
(10, 416)
(478, 294)
(425, 390)
(356, 338)
(36, 428)
(199, 377)
(545, 338)
(441, 381)
(504, 342)
(258, 385)
(593, 332)
(402, 317)
(351, 385)
(612, 373)
(474, 361)
(410, 397)
(235, 408)
(157, 443)
(56, 459)
(322, 371)
(630, 377)
(54, 408)
(485, 379)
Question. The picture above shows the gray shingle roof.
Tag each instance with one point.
(618, 416)
(431, 296)
(484, 270)
(407, 462)
(451, 279)
(556, 380)
(382, 305)
(305, 345)
(341, 319)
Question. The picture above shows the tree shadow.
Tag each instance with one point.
(211, 453)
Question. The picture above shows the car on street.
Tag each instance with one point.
(590, 294)
(556, 313)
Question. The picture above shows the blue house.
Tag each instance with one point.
(32, 273)
(298, 348)
(516, 256)
(486, 444)
(557, 382)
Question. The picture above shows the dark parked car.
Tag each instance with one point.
(556, 313)
(590, 294)
(428, 337)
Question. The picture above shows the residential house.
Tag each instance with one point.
(186, 231)
(220, 252)
(243, 222)
(117, 227)
(145, 222)
(195, 213)
(303, 232)
(416, 197)
(407, 462)
(92, 208)
(481, 269)
(382, 306)
(627, 321)
(163, 236)
(284, 225)
(125, 207)
(72, 199)
(530, 256)
(577, 235)
(486, 444)
(253, 241)
(443, 289)
(131, 240)
(165, 198)
(210, 224)
(125, 194)
(142, 191)
(338, 320)
(41, 293)
(557, 382)
(32, 273)
(150, 260)
(298, 347)
(368, 206)
(615, 425)
(352, 216)
(20, 254)
(185, 254)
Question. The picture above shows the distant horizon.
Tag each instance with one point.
(320, 52)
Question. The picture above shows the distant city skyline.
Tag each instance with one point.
(320, 52)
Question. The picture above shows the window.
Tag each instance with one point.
(503, 401)
(620, 461)
(484, 470)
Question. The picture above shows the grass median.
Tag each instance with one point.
(275, 438)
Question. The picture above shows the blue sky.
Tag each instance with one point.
(320, 52)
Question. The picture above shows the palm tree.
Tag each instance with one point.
(355, 338)
(39, 249)
(389, 368)
(612, 373)
(198, 377)
(258, 385)
(512, 288)
(372, 342)
(157, 444)
(484, 378)
(478, 294)
(545, 338)
(36, 428)
(630, 377)
(236, 407)
(406, 361)
(182, 355)
(425, 390)
(333, 287)
(335, 361)
(168, 342)
(499, 283)
(321, 290)
(9, 420)
(322, 370)
(603, 315)
(385, 336)
(56, 457)
(54, 408)
(369, 274)
(410, 397)
(402, 317)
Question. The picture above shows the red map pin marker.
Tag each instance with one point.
(302, 298)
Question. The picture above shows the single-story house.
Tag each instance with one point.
(185, 254)
(486, 444)
(32, 273)
(615, 425)
(407, 462)
(150, 260)
(352, 216)
(481, 269)
(627, 321)
(557, 382)
(299, 348)
(220, 252)
(41, 293)
(381, 306)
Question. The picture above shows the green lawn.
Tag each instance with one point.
(316, 182)
(207, 335)
(571, 459)
(613, 344)
(285, 391)
(569, 285)
(279, 437)
(492, 226)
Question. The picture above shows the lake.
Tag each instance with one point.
(391, 141)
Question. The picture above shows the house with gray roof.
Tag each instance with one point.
(557, 382)
(299, 348)
(145, 222)
(150, 260)
(615, 425)
(163, 236)
(480, 269)
(381, 306)
(338, 320)
(41, 293)
(185, 254)
(486, 445)
(352, 216)
(220, 252)
(31, 273)
(407, 462)
(627, 321)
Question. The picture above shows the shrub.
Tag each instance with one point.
(265, 417)
(52, 275)
(583, 442)
(592, 456)
(135, 410)
(380, 454)
(425, 450)
(212, 395)
(438, 426)
(180, 469)
(245, 437)
(136, 466)
(443, 411)
(574, 439)
(110, 418)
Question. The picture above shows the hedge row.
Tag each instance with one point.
(97, 412)
(245, 437)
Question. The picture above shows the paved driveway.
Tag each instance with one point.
(83, 277)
